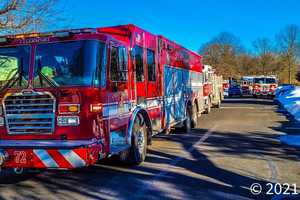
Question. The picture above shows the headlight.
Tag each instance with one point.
(68, 121)
(68, 108)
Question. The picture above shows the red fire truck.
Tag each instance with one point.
(72, 97)
(213, 91)
(264, 86)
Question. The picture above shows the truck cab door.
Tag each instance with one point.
(140, 74)
(153, 78)
(119, 104)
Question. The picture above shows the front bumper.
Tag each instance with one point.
(267, 93)
(50, 154)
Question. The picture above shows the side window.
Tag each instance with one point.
(151, 65)
(138, 55)
(118, 64)
(114, 64)
(123, 64)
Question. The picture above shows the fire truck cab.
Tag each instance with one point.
(264, 85)
(72, 97)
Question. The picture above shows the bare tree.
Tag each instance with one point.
(221, 52)
(280, 58)
(289, 46)
(28, 15)
(227, 41)
(263, 46)
(247, 64)
(264, 51)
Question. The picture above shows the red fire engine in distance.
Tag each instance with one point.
(72, 97)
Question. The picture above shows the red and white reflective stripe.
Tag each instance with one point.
(64, 158)
(45, 157)
(73, 158)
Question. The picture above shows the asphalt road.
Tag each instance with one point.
(234, 147)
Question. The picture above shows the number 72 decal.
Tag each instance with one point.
(20, 157)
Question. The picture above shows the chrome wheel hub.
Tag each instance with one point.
(140, 141)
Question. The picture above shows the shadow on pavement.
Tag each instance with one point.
(160, 176)
(114, 180)
(254, 101)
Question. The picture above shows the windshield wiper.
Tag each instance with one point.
(43, 76)
(14, 78)
(10, 82)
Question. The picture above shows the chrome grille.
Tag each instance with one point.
(29, 113)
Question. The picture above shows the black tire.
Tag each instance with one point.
(208, 109)
(187, 126)
(222, 96)
(33, 171)
(167, 131)
(219, 103)
(138, 149)
(194, 116)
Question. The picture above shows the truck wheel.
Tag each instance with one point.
(208, 109)
(167, 131)
(219, 103)
(194, 117)
(188, 121)
(138, 150)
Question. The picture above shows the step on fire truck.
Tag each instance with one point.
(72, 97)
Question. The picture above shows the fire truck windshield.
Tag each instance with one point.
(14, 66)
(72, 63)
(265, 80)
(259, 80)
(270, 80)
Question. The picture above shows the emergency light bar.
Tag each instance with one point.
(61, 34)
(67, 33)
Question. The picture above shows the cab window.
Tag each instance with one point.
(118, 64)
(139, 61)
(151, 65)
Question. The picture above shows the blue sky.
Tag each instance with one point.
(190, 22)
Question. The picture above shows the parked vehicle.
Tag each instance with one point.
(245, 88)
(72, 97)
(247, 85)
(282, 89)
(265, 86)
(213, 88)
(235, 90)
(225, 88)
